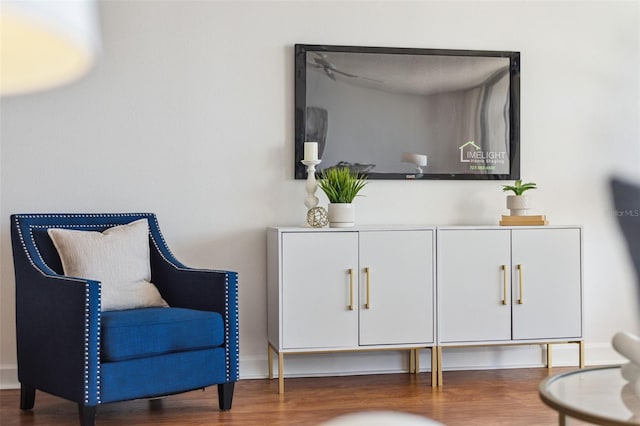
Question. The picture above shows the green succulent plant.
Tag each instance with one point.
(518, 187)
(341, 184)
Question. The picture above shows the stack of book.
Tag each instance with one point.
(536, 220)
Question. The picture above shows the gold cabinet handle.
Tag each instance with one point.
(367, 271)
(521, 295)
(505, 279)
(351, 289)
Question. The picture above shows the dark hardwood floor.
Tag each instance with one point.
(492, 397)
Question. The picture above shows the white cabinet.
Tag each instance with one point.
(317, 290)
(501, 286)
(349, 290)
(373, 288)
(547, 284)
(396, 287)
(509, 284)
(472, 289)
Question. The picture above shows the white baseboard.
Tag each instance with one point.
(9, 377)
(386, 362)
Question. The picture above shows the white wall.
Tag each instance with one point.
(189, 114)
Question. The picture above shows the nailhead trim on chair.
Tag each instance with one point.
(72, 215)
(227, 329)
(226, 326)
(86, 346)
(237, 330)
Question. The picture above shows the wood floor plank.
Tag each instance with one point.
(491, 397)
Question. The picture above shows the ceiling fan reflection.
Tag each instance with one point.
(320, 61)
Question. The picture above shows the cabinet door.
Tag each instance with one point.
(546, 283)
(316, 290)
(471, 285)
(399, 268)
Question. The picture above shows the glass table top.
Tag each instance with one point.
(597, 395)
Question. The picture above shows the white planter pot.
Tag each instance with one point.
(341, 215)
(518, 204)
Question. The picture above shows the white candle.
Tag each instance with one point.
(311, 151)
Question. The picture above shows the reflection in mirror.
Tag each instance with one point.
(384, 112)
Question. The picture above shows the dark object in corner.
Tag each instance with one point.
(626, 201)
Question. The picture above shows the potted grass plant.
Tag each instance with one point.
(518, 203)
(341, 186)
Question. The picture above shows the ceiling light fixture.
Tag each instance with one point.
(45, 44)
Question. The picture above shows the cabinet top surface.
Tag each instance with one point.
(294, 228)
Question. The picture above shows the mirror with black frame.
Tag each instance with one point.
(401, 113)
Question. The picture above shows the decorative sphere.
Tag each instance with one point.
(317, 217)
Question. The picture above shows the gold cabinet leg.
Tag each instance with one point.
(270, 361)
(549, 361)
(439, 362)
(434, 367)
(581, 353)
(280, 373)
(412, 361)
(416, 361)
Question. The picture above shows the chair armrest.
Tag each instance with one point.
(184, 287)
(205, 290)
(202, 289)
(57, 333)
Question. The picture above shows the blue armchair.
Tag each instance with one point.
(70, 348)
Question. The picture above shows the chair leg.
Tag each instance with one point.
(225, 395)
(87, 414)
(27, 397)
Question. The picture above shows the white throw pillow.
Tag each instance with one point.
(117, 257)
